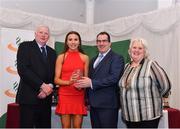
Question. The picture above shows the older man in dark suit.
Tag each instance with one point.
(36, 66)
(102, 92)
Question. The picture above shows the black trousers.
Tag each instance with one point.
(144, 124)
(35, 116)
(103, 117)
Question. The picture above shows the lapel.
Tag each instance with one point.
(38, 51)
(101, 64)
(48, 54)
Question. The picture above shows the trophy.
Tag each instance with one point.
(76, 75)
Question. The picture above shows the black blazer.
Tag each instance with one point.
(33, 71)
(105, 77)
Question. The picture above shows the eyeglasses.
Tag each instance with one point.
(103, 41)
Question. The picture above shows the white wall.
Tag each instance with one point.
(165, 3)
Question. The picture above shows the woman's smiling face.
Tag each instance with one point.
(73, 42)
(137, 51)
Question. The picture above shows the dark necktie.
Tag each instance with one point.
(44, 53)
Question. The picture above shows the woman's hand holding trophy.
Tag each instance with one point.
(76, 75)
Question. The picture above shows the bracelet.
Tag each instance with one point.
(165, 101)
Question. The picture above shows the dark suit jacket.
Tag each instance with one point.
(105, 77)
(33, 71)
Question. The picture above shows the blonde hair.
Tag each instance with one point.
(143, 42)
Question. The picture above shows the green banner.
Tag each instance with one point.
(120, 47)
(3, 121)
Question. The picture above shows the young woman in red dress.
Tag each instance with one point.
(71, 65)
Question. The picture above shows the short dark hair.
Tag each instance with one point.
(104, 33)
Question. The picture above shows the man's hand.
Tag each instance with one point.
(84, 82)
(42, 95)
(46, 88)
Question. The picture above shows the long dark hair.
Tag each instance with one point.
(66, 39)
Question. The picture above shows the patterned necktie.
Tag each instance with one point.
(44, 53)
(98, 60)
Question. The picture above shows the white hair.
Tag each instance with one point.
(40, 26)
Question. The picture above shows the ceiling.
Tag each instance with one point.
(75, 10)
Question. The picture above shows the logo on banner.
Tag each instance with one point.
(13, 69)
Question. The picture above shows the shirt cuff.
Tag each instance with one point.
(91, 85)
(51, 85)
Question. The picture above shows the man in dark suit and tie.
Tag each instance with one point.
(36, 66)
(102, 92)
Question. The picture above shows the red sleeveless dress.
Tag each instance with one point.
(70, 99)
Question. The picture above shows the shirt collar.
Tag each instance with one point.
(41, 46)
(104, 54)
